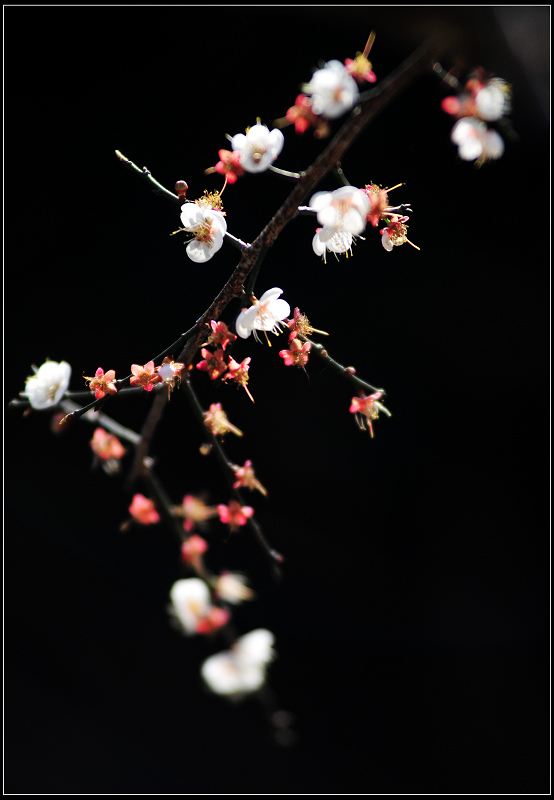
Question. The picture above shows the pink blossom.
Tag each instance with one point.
(106, 445)
(246, 478)
(194, 547)
(299, 325)
(143, 510)
(367, 408)
(212, 363)
(102, 384)
(360, 67)
(229, 165)
(234, 514)
(302, 116)
(298, 353)
(215, 618)
(216, 420)
(220, 335)
(395, 234)
(195, 512)
(239, 373)
(145, 376)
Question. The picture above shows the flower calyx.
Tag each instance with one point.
(216, 420)
(103, 383)
(246, 478)
(367, 408)
(170, 373)
(299, 326)
(360, 67)
(395, 234)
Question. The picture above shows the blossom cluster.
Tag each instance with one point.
(201, 605)
(331, 92)
(344, 214)
(482, 100)
(299, 347)
(218, 364)
(253, 151)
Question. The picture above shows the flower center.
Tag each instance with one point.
(52, 391)
(257, 152)
(204, 232)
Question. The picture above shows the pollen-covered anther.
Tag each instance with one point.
(205, 233)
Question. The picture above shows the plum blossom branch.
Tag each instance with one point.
(163, 502)
(99, 418)
(372, 103)
(229, 474)
(347, 372)
(147, 175)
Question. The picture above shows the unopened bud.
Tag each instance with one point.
(350, 370)
(181, 187)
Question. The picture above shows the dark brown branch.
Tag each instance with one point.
(372, 104)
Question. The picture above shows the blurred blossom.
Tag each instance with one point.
(258, 148)
(241, 669)
(47, 386)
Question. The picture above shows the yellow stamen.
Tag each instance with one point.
(369, 44)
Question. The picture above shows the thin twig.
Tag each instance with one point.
(272, 555)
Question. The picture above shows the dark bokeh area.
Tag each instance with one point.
(412, 622)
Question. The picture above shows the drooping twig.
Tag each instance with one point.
(346, 372)
(273, 556)
(147, 175)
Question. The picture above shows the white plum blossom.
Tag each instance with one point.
(266, 314)
(343, 215)
(329, 239)
(333, 90)
(493, 101)
(47, 386)
(344, 210)
(208, 227)
(241, 669)
(258, 148)
(190, 602)
(475, 140)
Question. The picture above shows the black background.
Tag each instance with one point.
(412, 622)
